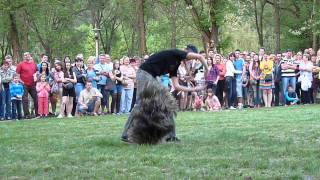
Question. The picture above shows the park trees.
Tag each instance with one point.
(60, 28)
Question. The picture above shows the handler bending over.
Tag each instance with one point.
(161, 63)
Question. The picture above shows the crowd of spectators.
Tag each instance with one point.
(99, 85)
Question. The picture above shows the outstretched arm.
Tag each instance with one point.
(177, 86)
(191, 55)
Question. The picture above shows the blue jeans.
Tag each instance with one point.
(239, 88)
(117, 89)
(126, 100)
(106, 95)
(90, 106)
(5, 104)
(16, 109)
(78, 88)
(286, 81)
(231, 88)
(1, 104)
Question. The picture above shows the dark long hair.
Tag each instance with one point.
(47, 69)
(65, 70)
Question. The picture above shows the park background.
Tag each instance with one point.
(138, 27)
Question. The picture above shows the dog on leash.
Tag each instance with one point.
(153, 117)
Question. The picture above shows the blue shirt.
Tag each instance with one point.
(290, 96)
(238, 65)
(16, 89)
(102, 67)
(165, 80)
(90, 76)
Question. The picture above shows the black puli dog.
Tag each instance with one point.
(153, 118)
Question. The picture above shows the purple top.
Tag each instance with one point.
(213, 74)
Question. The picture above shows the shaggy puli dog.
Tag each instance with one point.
(153, 118)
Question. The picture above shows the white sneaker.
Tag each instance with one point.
(70, 116)
(60, 116)
(232, 108)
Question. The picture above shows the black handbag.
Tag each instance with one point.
(68, 85)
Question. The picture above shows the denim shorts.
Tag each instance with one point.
(239, 87)
(117, 89)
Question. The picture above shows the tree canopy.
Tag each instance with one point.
(58, 28)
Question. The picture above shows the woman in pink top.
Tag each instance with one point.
(56, 89)
(129, 74)
(43, 89)
(221, 83)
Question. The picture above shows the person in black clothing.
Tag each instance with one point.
(146, 120)
(116, 94)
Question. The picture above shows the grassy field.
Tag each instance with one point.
(277, 143)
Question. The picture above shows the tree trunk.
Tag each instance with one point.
(314, 29)
(141, 27)
(132, 48)
(174, 24)
(4, 47)
(258, 19)
(214, 34)
(277, 23)
(14, 36)
(48, 52)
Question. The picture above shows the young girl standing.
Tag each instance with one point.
(43, 89)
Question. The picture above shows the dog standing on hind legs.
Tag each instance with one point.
(152, 118)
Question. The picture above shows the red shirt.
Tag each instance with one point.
(222, 71)
(26, 70)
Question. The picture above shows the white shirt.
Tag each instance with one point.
(230, 70)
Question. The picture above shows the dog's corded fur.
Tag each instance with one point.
(153, 117)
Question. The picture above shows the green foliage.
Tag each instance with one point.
(64, 27)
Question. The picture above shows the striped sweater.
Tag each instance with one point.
(288, 72)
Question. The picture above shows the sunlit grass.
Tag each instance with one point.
(266, 143)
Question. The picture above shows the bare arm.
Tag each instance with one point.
(177, 86)
(74, 80)
(191, 55)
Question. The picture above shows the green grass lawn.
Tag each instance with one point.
(277, 143)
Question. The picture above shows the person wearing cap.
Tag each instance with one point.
(164, 62)
(26, 69)
(288, 75)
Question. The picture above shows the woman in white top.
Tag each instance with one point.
(305, 78)
(231, 81)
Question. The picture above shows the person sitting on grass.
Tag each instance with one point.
(212, 102)
(291, 96)
(89, 100)
(198, 104)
